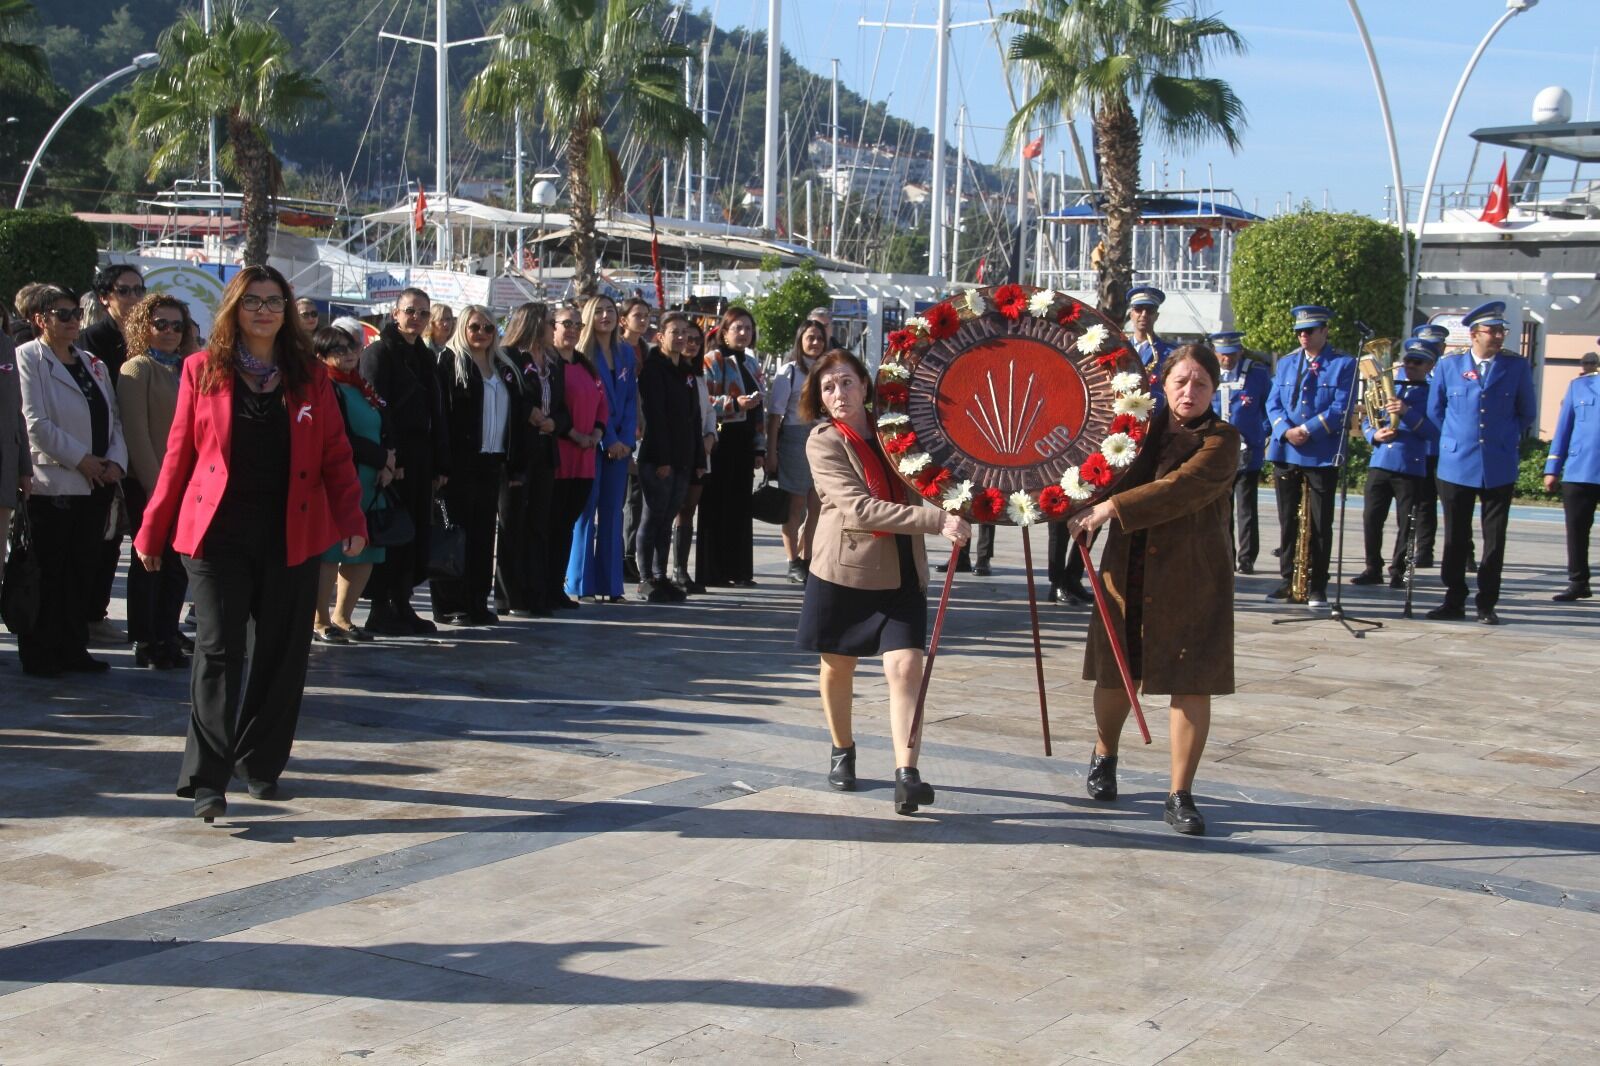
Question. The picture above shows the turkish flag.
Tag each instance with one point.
(1034, 148)
(420, 210)
(1200, 240)
(1499, 205)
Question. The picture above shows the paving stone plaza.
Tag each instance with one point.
(607, 839)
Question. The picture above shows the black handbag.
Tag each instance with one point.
(389, 526)
(23, 585)
(447, 551)
(770, 504)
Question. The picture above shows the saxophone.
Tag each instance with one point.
(1300, 581)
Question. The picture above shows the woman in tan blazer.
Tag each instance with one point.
(867, 590)
(1168, 575)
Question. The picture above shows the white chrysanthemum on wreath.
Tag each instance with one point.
(894, 372)
(976, 304)
(917, 324)
(1093, 339)
(1042, 304)
(1074, 487)
(893, 418)
(1127, 381)
(1119, 449)
(956, 497)
(910, 464)
(1137, 404)
(1021, 509)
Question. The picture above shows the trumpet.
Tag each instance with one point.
(1378, 378)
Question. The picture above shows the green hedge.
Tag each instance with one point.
(44, 246)
(781, 309)
(1349, 263)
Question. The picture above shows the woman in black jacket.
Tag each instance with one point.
(669, 399)
(523, 581)
(481, 389)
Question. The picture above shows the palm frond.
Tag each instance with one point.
(1191, 111)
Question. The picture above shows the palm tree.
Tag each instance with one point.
(240, 73)
(23, 66)
(573, 64)
(1134, 65)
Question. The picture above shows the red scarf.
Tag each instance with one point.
(881, 481)
(354, 379)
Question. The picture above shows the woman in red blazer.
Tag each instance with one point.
(256, 484)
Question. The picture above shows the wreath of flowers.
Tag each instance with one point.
(1132, 407)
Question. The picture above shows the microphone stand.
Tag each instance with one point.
(1341, 459)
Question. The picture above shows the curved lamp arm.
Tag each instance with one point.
(143, 61)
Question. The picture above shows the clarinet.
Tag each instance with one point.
(1411, 562)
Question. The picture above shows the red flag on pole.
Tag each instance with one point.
(419, 212)
(983, 262)
(1035, 148)
(655, 262)
(1499, 205)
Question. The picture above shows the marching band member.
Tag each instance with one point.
(1144, 307)
(1167, 579)
(1241, 400)
(1399, 465)
(1482, 401)
(1308, 404)
(1575, 462)
(1428, 491)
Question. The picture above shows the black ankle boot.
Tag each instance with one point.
(910, 791)
(209, 804)
(1182, 816)
(842, 769)
(1102, 776)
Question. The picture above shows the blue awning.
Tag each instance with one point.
(1160, 209)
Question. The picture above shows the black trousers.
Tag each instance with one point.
(1385, 487)
(1428, 510)
(1246, 517)
(725, 547)
(472, 496)
(405, 566)
(632, 513)
(108, 558)
(249, 673)
(568, 495)
(983, 535)
(155, 600)
(1324, 483)
(68, 540)
(1578, 502)
(523, 548)
(1459, 501)
(1065, 563)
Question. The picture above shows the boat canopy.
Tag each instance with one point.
(1158, 209)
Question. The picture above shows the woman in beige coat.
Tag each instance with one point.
(1168, 576)
(867, 590)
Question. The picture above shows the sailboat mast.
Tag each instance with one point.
(833, 173)
(961, 164)
(441, 175)
(769, 163)
(941, 93)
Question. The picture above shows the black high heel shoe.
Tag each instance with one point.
(910, 791)
(1182, 816)
(1102, 777)
(842, 769)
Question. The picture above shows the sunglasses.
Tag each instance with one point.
(128, 290)
(166, 325)
(66, 314)
(338, 349)
(566, 323)
(273, 304)
(1308, 329)
(479, 327)
(310, 315)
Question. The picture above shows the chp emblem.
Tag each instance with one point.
(1011, 404)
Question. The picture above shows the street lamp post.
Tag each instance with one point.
(1388, 128)
(143, 61)
(1513, 9)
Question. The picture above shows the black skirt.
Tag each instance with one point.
(839, 620)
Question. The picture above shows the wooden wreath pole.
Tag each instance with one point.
(1114, 637)
(933, 648)
(1038, 651)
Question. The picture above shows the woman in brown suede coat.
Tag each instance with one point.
(1168, 576)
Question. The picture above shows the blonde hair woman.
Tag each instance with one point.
(595, 566)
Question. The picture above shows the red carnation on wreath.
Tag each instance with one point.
(902, 340)
(893, 392)
(1129, 425)
(931, 481)
(904, 442)
(1109, 361)
(943, 321)
(1096, 471)
(1053, 501)
(1011, 301)
(1068, 314)
(988, 504)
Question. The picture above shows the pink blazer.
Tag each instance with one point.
(324, 496)
(586, 402)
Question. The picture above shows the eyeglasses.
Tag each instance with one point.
(129, 290)
(166, 325)
(273, 304)
(411, 312)
(66, 314)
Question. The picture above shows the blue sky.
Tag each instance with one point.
(1314, 124)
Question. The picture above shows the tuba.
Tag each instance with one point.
(1376, 367)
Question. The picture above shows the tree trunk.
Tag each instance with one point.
(580, 191)
(252, 159)
(1117, 146)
